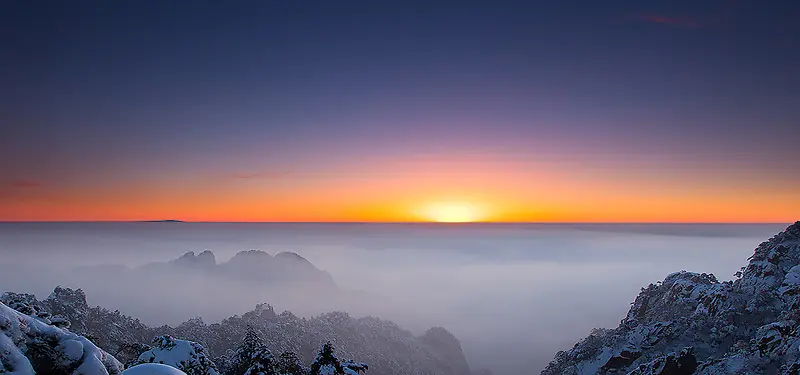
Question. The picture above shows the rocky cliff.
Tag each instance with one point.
(692, 323)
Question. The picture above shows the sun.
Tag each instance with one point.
(453, 212)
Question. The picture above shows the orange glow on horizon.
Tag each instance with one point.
(412, 191)
(452, 212)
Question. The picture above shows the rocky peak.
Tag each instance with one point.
(782, 249)
(691, 323)
(262, 312)
(69, 304)
(772, 261)
(74, 298)
(678, 295)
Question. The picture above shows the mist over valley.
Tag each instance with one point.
(513, 294)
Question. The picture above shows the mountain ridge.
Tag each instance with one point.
(691, 323)
(388, 348)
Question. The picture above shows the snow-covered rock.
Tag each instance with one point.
(187, 356)
(28, 346)
(29, 305)
(693, 324)
(152, 369)
(71, 305)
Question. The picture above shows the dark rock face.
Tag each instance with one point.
(621, 360)
(693, 324)
(683, 363)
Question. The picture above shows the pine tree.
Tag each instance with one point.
(326, 362)
(251, 356)
(262, 363)
(290, 364)
(187, 356)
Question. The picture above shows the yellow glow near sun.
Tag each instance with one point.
(452, 213)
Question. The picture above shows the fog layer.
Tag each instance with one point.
(513, 294)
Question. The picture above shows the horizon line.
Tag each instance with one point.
(177, 221)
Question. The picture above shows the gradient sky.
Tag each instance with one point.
(375, 110)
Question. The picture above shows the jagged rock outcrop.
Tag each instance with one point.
(71, 304)
(30, 346)
(693, 324)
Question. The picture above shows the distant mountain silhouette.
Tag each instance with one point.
(285, 269)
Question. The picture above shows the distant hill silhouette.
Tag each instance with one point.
(285, 268)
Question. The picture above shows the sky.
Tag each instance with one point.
(613, 111)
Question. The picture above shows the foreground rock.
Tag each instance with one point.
(28, 345)
(693, 324)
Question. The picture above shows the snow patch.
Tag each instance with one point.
(19, 331)
(152, 369)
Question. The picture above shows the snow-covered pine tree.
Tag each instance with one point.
(326, 363)
(187, 356)
(290, 364)
(251, 357)
(262, 363)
